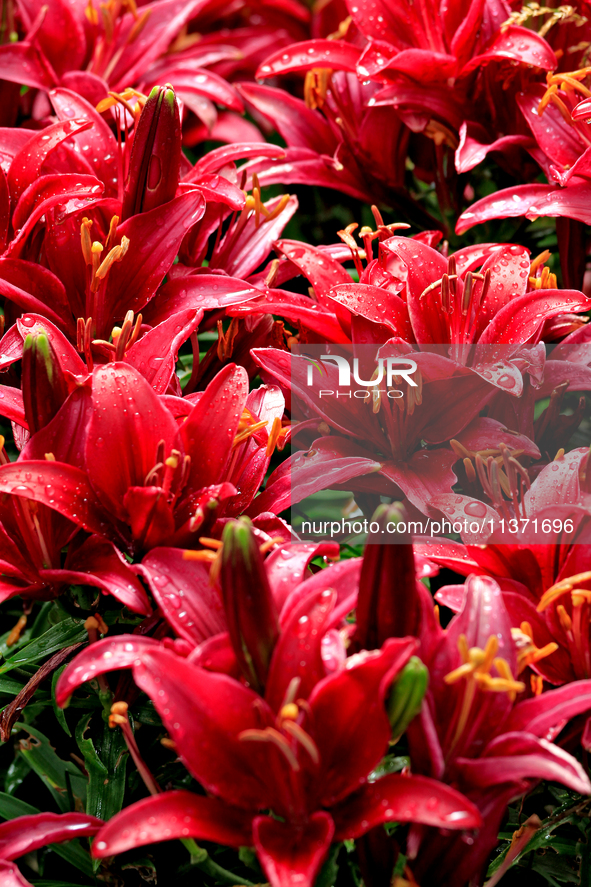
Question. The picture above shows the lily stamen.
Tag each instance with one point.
(565, 586)
(475, 670)
(269, 734)
(527, 652)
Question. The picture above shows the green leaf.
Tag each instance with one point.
(54, 884)
(11, 807)
(16, 774)
(10, 687)
(65, 633)
(330, 870)
(59, 713)
(72, 852)
(105, 758)
(60, 777)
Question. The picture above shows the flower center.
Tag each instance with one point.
(475, 671)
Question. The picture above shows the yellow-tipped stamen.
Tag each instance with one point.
(289, 712)
(316, 86)
(527, 652)
(266, 546)
(86, 240)
(91, 14)
(123, 98)
(139, 25)
(566, 622)
(115, 254)
(204, 557)
(565, 586)
(475, 670)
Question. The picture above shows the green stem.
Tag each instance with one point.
(201, 859)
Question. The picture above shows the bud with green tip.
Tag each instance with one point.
(43, 382)
(155, 162)
(253, 621)
(406, 696)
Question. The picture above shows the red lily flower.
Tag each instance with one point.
(319, 736)
(166, 481)
(426, 64)
(384, 442)
(561, 146)
(556, 493)
(474, 734)
(27, 833)
(33, 534)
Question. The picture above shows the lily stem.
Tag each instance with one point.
(201, 860)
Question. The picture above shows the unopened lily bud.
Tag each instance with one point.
(251, 613)
(388, 604)
(43, 381)
(406, 695)
(155, 161)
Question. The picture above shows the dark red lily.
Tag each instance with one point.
(384, 441)
(318, 736)
(475, 734)
(165, 482)
(430, 67)
(561, 146)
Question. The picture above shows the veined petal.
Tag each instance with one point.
(154, 240)
(311, 54)
(519, 319)
(291, 855)
(404, 799)
(287, 566)
(509, 203)
(175, 814)
(321, 269)
(215, 160)
(102, 564)
(541, 713)
(49, 191)
(26, 166)
(155, 354)
(376, 304)
(108, 654)
(518, 45)
(205, 713)
(297, 653)
(351, 727)
(98, 141)
(189, 601)
(332, 460)
(196, 292)
(513, 757)
(296, 123)
(62, 487)
(27, 833)
(127, 423)
(210, 427)
(426, 474)
(11, 877)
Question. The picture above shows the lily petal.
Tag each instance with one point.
(292, 856)
(175, 814)
(404, 799)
